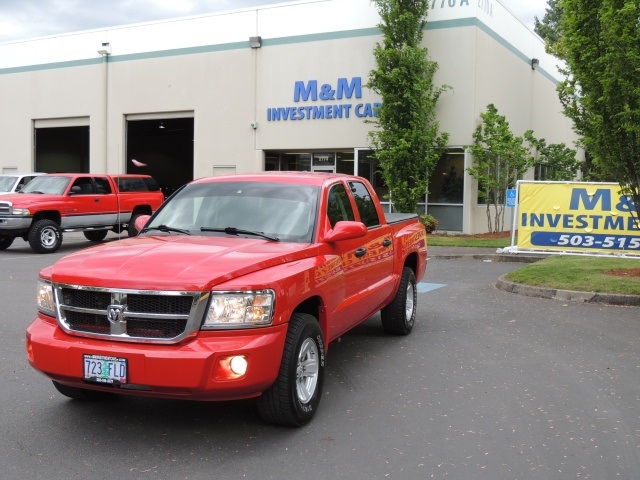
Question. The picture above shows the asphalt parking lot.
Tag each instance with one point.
(489, 385)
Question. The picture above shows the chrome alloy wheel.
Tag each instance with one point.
(410, 302)
(307, 371)
(48, 237)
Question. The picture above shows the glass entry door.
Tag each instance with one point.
(323, 162)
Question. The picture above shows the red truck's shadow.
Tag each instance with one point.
(348, 361)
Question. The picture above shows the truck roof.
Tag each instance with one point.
(305, 178)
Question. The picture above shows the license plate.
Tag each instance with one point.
(103, 369)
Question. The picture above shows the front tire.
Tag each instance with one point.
(294, 397)
(81, 394)
(95, 235)
(45, 236)
(5, 242)
(131, 228)
(399, 316)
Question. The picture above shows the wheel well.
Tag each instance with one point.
(412, 262)
(314, 307)
(141, 210)
(47, 214)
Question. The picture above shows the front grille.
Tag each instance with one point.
(5, 208)
(128, 315)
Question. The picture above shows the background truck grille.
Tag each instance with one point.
(127, 315)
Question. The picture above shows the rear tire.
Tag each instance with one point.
(95, 235)
(294, 397)
(5, 242)
(81, 394)
(45, 236)
(399, 316)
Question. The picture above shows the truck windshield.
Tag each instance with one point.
(279, 210)
(45, 184)
(6, 183)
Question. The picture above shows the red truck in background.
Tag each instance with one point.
(233, 289)
(94, 204)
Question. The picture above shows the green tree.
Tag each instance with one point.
(406, 140)
(600, 43)
(557, 160)
(549, 27)
(499, 161)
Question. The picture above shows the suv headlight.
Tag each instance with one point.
(240, 309)
(44, 298)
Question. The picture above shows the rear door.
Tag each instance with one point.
(367, 262)
(372, 277)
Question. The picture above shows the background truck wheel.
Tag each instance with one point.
(81, 394)
(95, 235)
(131, 228)
(5, 242)
(294, 398)
(45, 236)
(399, 316)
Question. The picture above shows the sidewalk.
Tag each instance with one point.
(491, 255)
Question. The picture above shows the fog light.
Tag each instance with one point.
(231, 368)
(238, 365)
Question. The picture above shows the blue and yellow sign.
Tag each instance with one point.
(576, 217)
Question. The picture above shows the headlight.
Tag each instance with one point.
(20, 211)
(240, 309)
(44, 298)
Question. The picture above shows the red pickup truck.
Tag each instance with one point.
(233, 289)
(94, 204)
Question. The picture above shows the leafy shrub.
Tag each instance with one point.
(430, 222)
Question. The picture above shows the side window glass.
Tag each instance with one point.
(365, 205)
(83, 186)
(338, 205)
(102, 185)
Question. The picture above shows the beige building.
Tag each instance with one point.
(271, 88)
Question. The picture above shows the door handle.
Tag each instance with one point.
(96, 200)
(361, 252)
(386, 242)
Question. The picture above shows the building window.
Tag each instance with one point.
(325, 161)
(446, 184)
(368, 167)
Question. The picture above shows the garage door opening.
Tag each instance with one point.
(62, 149)
(162, 148)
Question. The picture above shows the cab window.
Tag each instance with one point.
(102, 185)
(364, 204)
(338, 205)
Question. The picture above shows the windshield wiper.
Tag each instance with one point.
(238, 231)
(166, 229)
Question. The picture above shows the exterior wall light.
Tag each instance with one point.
(255, 42)
(534, 63)
(105, 49)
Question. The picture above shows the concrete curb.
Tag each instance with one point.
(567, 295)
(542, 292)
(490, 257)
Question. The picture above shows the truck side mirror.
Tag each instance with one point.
(75, 190)
(345, 231)
(140, 222)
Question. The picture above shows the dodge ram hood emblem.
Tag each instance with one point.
(115, 313)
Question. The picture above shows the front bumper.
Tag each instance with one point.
(10, 225)
(191, 370)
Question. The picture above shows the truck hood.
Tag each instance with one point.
(185, 263)
(26, 200)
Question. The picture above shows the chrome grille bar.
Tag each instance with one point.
(143, 316)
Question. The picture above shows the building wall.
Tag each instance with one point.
(203, 67)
